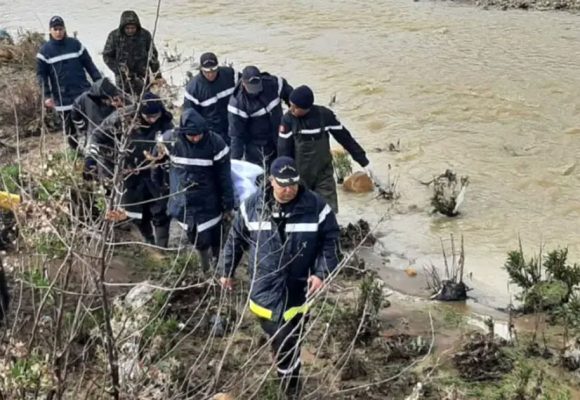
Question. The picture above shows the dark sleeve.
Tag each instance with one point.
(224, 175)
(343, 136)
(42, 74)
(285, 93)
(110, 51)
(154, 62)
(89, 65)
(329, 237)
(285, 137)
(189, 99)
(238, 121)
(78, 114)
(235, 246)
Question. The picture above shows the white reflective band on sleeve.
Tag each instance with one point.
(200, 162)
(267, 109)
(301, 227)
(285, 135)
(220, 95)
(280, 85)
(67, 56)
(63, 108)
(291, 369)
(325, 211)
(191, 98)
(208, 224)
(182, 225)
(254, 225)
(134, 215)
(335, 127)
(237, 111)
(221, 154)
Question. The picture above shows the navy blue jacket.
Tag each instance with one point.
(200, 178)
(60, 68)
(210, 99)
(255, 119)
(285, 244)
(318, 122)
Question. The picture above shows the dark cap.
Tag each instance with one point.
(252, 78)
(109, 89)
(151, 104)
(284, 171)
(302, 97)
(208, 62)
(56, 21)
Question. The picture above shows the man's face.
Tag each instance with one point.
(150, 119)
(283, 194)
(210, 75)
(245, 85)
(297, 111)
(115, 101)
(130, 29)
(194, 138)
(57, 32)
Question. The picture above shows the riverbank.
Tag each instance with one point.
(538, 5)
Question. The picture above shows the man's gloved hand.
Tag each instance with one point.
(370, 172)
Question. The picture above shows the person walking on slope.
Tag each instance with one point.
(209, 93)
(255, 111)
(202, 193)
(131, 54)
(123, 141)
(291, 237)
(305, 135)
(61, 69)
(90, 109)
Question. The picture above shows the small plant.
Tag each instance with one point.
(547, 282)
(448, 193)
(452, 288)
(342, 165)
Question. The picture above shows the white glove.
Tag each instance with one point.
(373, 176)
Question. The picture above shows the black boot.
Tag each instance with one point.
(162, 235)
(146, 231)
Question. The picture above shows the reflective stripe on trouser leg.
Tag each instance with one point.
(285, 344)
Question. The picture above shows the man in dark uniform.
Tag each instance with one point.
(209, 93)
(202, 193)
(124, 140)
(90, 109)
(305, 135)
(131, 54)
(255, 111)
(291, 237)
(62, 67)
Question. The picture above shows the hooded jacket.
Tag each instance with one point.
(255, 119)
(285, 244)
(61, 69)
(130, 51)
(89, 109)
(142, 137)
(200, 178)
(211, 99)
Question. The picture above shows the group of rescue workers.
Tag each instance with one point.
(288, 228)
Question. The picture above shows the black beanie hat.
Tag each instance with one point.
(302, 97)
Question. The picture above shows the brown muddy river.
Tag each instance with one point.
(493, 95)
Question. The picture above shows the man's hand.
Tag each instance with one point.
(228, 216)
(227, 283)
(49, 103)
(371, 173)
(314, 284)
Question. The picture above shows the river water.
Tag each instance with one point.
(493, 95)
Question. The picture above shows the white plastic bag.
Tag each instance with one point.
(244, 176)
